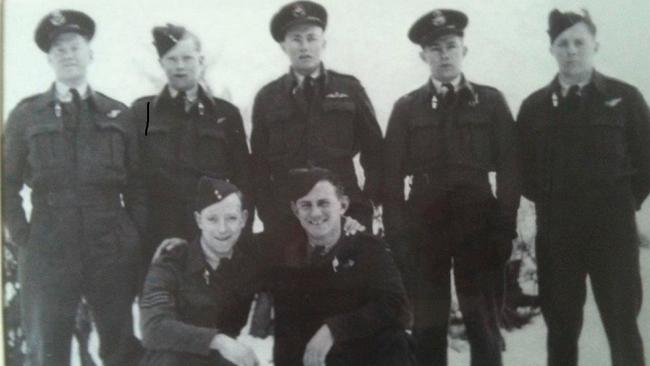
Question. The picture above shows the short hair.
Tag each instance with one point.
(303, 180)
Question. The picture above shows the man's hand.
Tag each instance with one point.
(352, 226)
(318, 347)
(167, 245)
(234, 351)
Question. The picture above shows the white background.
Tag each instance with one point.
(507, 40)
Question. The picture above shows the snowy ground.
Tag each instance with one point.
(525, 347)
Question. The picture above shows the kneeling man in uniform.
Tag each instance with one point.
(339, 299)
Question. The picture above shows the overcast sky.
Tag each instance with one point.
(507, 40)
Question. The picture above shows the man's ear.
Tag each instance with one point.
(244, 215)
(294, 209)
(197, 218)
(422, 57)
(596, 46)
(283, 47)
(345, 203)
(465, 50)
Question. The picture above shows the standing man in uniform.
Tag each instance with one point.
(311, 116)
(448, 135)
(585, 148)
(188, 134)
(76, 150)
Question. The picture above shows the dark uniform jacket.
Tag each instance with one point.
(605, 151)
(179, 148)
(95, 164)
(355, 289)
(288, 134)
(185, 303)
(444, 148)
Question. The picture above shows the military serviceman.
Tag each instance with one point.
(447, 135)
(339, 299)
(185, 133)
(585, 148)
(197, 296)
(76, 150)
(311, 116)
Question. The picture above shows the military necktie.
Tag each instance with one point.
(572, 98)
(75, 109)
(180, 101)
(308, 89)
(449, 94)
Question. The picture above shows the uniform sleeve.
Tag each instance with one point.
(161, 328)
(259, 147)
(526, 151)
(14, 150)
(387, 306)
(135, 193)
(368, 134)
(395, 152)
(507, 168)
(241, 161)
(639, 146)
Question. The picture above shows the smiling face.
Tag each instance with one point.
(221, 223)
(445, 57)
(304, 44)
(320, 212)
(69, 57)
(183, 64)
(574, 50)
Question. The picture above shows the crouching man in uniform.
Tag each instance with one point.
(585, 148)
(448, 135)
(76, 150)
(196, 296)
(339, 299)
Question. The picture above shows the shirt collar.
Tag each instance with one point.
(564, 86)
(191, 94)
(455, 82)
(300, 77)
(63, 94)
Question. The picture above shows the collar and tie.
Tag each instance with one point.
(572, 98)
(309, 88)
(448, 94)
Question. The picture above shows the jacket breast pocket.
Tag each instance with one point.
(425, 139)
(111, 144)
(283, 133)
(476, 135)
(45, 143)
(157, 145)
(607, 143)
(213, 152)
(338, 123)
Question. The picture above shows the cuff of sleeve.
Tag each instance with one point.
(201, 343)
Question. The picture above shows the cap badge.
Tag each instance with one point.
(437, 19)
(613, 102)
(56, 18)
(218, 194)
(299, 11)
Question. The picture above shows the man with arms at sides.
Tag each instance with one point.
(190, 134)
(311, 116)
(585, 149)
(448, 135)
(196, 296)
(74, 147)
(339, 299)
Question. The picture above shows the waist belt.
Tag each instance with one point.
(77, 198)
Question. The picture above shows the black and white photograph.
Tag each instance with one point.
(325, 183)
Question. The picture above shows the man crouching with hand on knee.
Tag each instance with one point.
(339, 300)
(196, 297)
